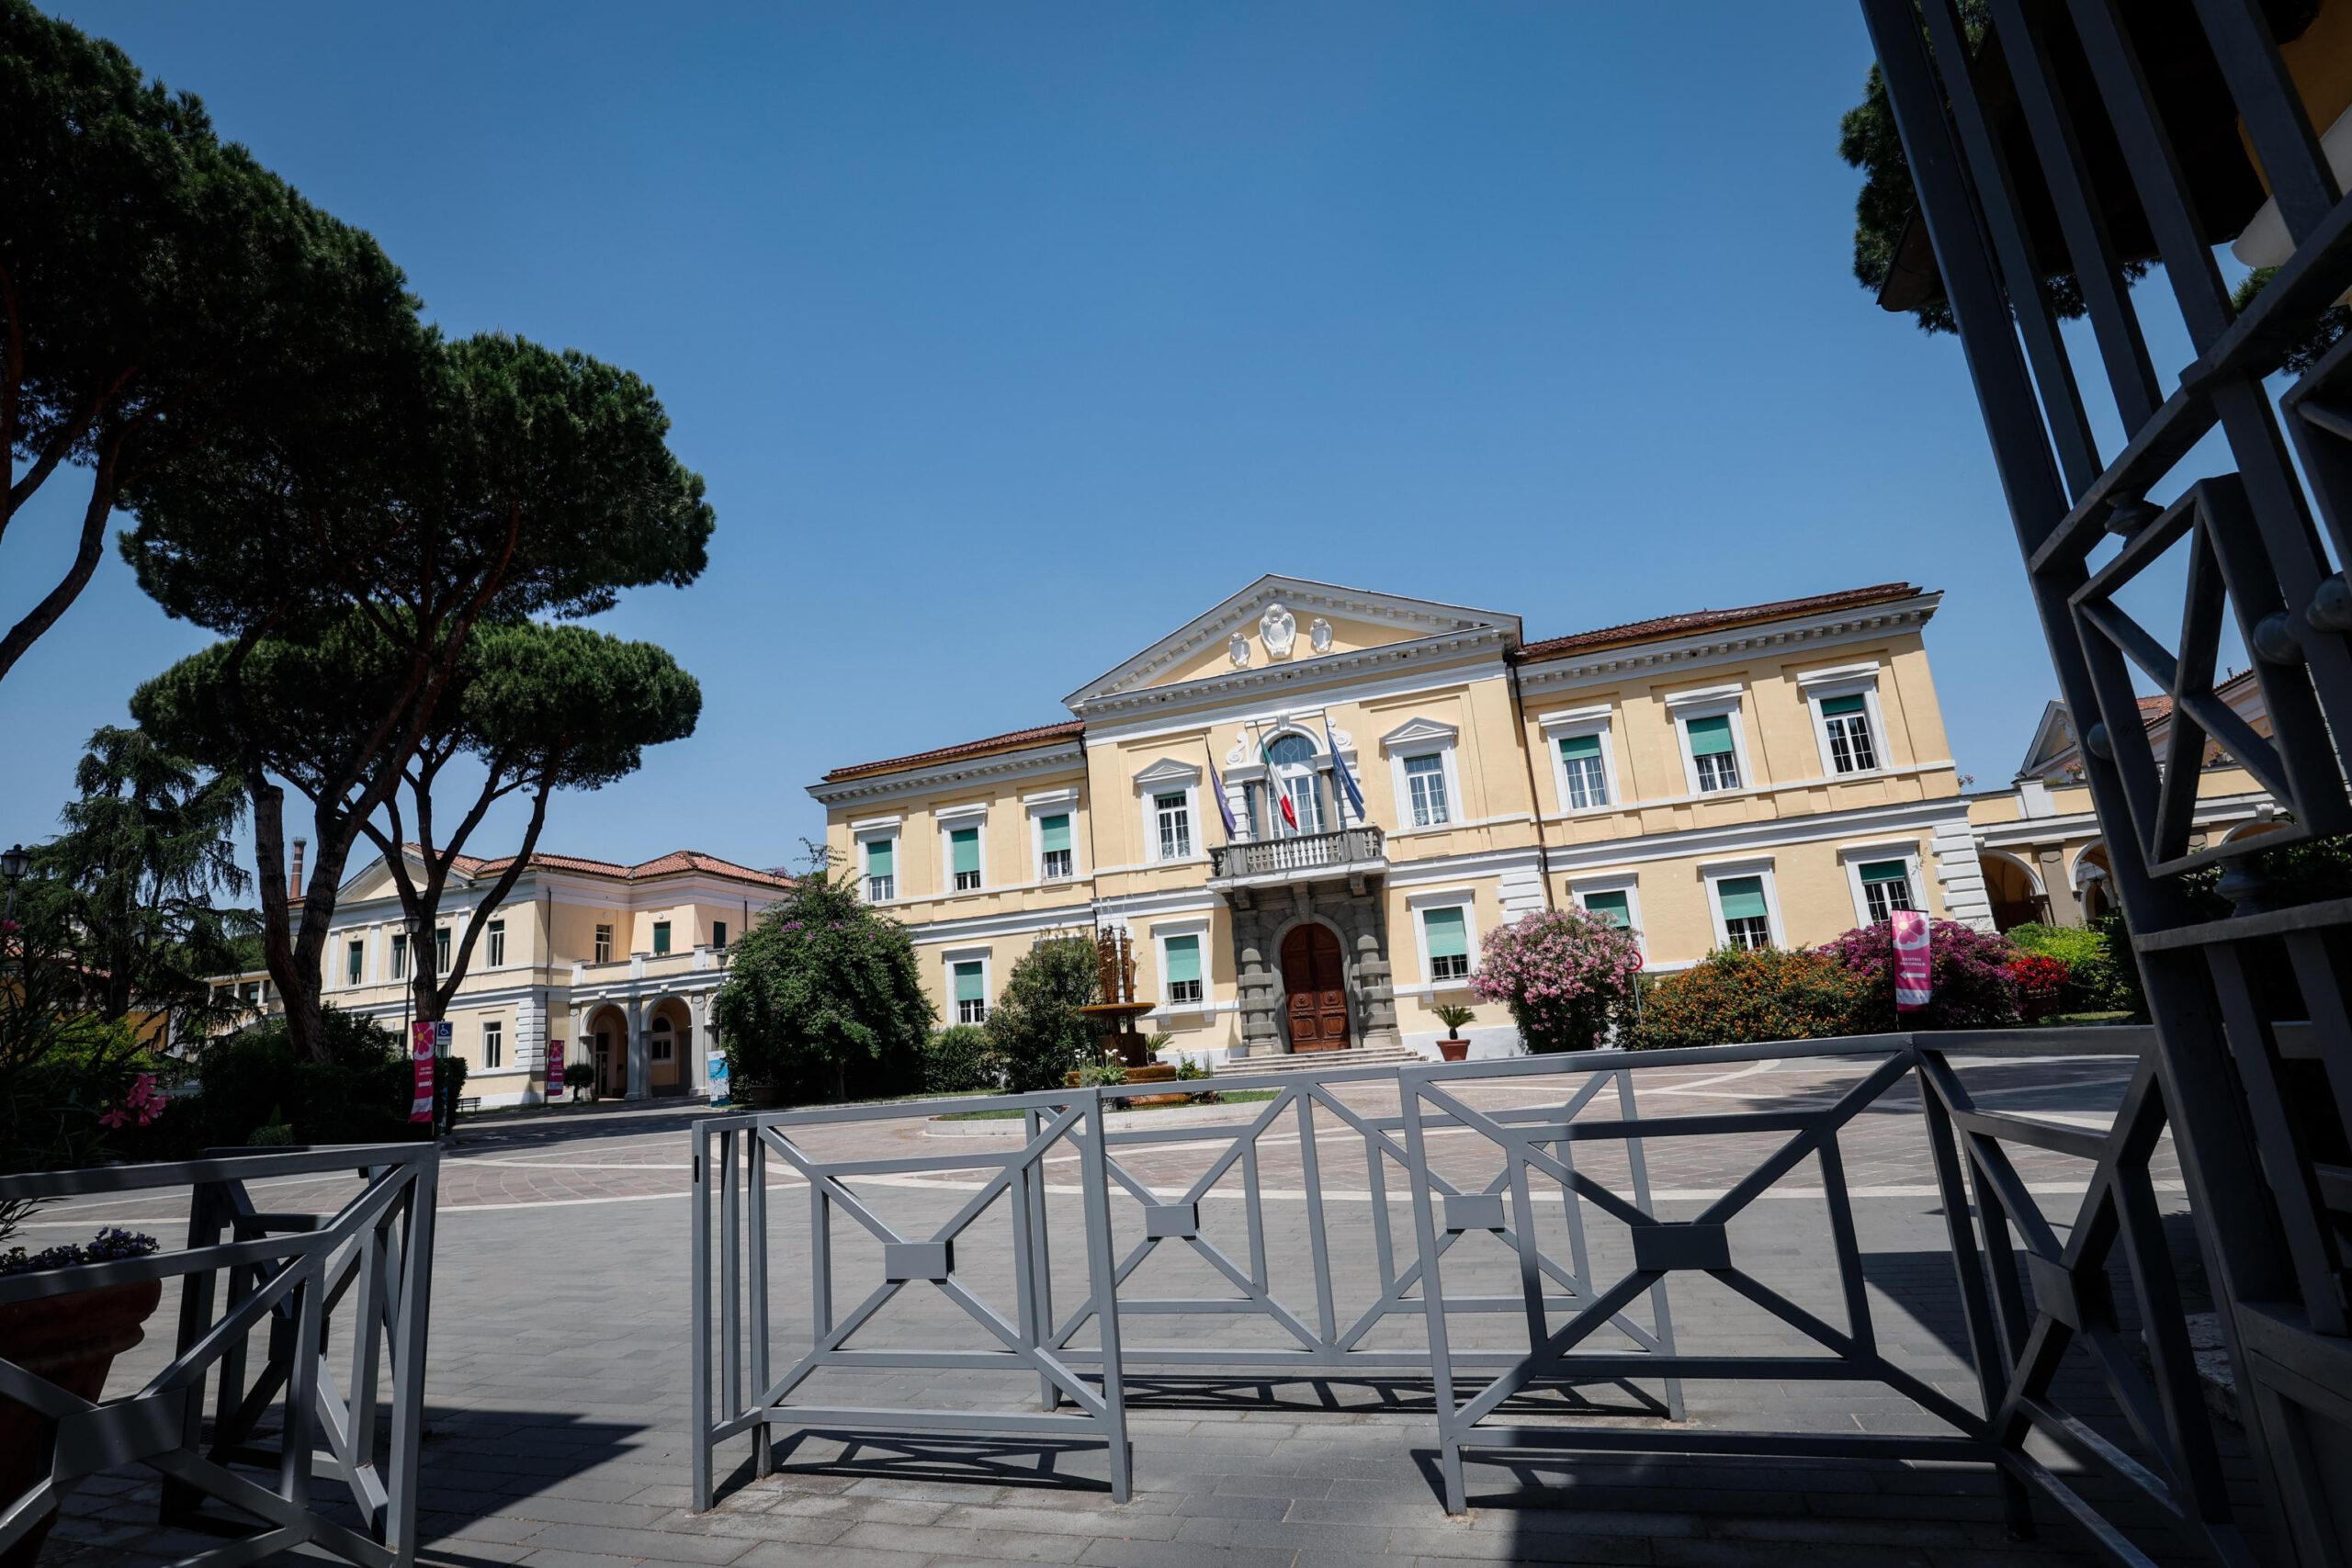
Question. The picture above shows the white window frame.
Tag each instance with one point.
(494, 1031)
(986, 958)
(600, 942)
(397, 956)
(1710, 703)
(1845, 680)
(865, 832)
(445, 949)
(950, 819)
(1713, 873)
(1630, 885)
(1853, 857)
(1051, 803)
(494, 936)
(1169, 776)
(1159, 935)
(1567, 724)
(350, 941)
(653, 1034)
(1416, 738)
(1417, 905)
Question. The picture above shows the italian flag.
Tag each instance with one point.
(1273, 786)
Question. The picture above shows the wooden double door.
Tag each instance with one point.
(1316, 980)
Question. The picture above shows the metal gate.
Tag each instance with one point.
(2256, 1059)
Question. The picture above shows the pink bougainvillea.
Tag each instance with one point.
(1972, 985)
(140, 1107)
(1560, 973)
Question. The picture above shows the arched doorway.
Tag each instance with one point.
(1316, 978)
(2090, 875)
(669, 1035)
(608, 1047)
(2013, 889)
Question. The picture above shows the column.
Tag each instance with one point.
(640, 1070)
(698, 1043)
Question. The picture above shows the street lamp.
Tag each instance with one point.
(13, 864)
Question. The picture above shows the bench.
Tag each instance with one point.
(468, 1103)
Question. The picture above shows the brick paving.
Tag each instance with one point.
(558, 1388)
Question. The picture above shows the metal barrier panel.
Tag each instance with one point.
(732, 1155)
(245, 1271)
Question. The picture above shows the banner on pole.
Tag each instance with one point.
(714, 1068)
(555, 1069)
(422, 1036)
(1914, 977)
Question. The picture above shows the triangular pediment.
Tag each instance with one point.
(2054, 739)
(1282, 620)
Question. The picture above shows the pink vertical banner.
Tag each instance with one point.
(1914, 980)
(555, 1069)
(421, 1035)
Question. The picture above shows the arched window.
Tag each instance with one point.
(1296, 779)
(664, 1038)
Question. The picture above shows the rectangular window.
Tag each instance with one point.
(603, 944)
(1175, 826)
(355, 961)
(665, 1042)
(1886, 887)
(496, 933)
(1712, 755)
(964, 855)
(1746, 921)
(1447, 935)
(252, 993)
(1425, 779)
(494, 1045)
(719, 935)
(1057, 859)
(971, 991)
(1183, 968)
(661, 936)
(441, 951)
(400, 955)
(1616, 908)
(1581, 765)
(881, 870)
(1847, 721)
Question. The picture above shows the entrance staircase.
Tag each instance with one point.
(1325, 1061)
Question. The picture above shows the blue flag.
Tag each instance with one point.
(1345, 779)
(1224, 807)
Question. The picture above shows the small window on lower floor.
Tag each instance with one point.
(1446, 933)
(1886, 887)
(1747, 921)
(1615, 906)
(1183, 969)
(970, 980)
(665, 1041)
(494, 1045)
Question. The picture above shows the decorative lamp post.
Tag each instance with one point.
(13, 864)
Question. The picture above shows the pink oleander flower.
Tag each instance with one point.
(142, 1105)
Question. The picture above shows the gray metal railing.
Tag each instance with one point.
(2026, 1288)
(1297, 853)
(287, 1275)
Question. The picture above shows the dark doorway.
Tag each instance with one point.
(1318, 984)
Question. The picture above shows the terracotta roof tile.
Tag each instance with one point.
(677, 861)
(1691, 621)
(1012, 741)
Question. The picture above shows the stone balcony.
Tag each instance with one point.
(1353, 854)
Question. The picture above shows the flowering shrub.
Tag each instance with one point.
(1736, 997)
(141, 1106)
(1560, 973)
(2093, 983)
(109, 1244)
(1968, 972)
(2042, 985)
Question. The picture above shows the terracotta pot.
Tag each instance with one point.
(1453, 1050)
(70, 1340)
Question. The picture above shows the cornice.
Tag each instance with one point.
(1034, 762)
(1242, 686)
(1708, 648)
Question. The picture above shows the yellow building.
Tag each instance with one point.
(617, 962)
(2045, 856)
(1772, 773)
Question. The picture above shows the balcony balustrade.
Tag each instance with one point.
(1354, 852)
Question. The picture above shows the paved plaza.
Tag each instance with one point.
(558, 1430)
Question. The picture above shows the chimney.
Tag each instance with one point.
(294, 877)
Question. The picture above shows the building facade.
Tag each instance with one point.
(1403, 777)
(617, 962)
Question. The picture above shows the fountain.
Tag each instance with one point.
(1115, 963)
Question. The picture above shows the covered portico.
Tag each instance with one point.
(649, 1036)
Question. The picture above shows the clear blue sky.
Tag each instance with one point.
(1011, 336)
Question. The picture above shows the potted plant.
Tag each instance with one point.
(580, 1076)
(70, 1339)
(1453, 1015)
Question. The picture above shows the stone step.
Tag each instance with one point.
(1324, 1061)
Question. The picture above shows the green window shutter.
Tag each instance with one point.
(1447, 932)
(661, 936)
(879, 855)
(1742, 897)
(1833, 707)
(1183, 958)
(1709, 736)
(1574, 746)
(1885, 870)
(1614, 907)
(965, 844)
(969, 985)
(1054, 831)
